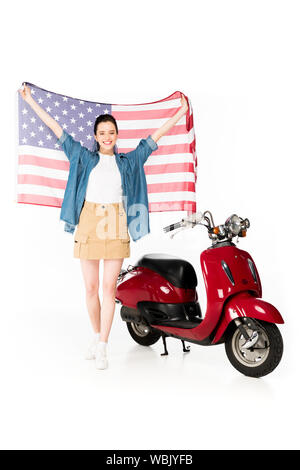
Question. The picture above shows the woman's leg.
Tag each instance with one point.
(90, 271)
(111, 271)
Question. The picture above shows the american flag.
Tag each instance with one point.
(171, 170)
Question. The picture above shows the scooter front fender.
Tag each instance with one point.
(245, 305)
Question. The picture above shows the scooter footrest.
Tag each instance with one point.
(171, 314)
(179, 324)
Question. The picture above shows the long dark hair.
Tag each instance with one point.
(104, 118)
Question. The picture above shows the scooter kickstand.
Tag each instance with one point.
(165, 353)
(185, 348)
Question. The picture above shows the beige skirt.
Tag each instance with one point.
(102, 232)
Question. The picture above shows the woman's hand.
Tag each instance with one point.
(184, 104)
(25, 93)
(172, 121)
(42, 114)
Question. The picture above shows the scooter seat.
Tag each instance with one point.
(176, 270)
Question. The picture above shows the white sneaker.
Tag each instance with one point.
(91, 350)
(101, 356)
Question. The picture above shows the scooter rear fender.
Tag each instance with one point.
(246, 305)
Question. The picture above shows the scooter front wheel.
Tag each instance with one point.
(263, 357)
(143, 334)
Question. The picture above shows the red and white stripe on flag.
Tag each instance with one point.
(171, 171)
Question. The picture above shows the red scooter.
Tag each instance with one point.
(159, 299)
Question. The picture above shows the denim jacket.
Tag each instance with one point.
(135, 197)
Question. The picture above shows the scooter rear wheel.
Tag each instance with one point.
(263, 357)
(143, 334)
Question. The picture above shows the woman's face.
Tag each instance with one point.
(106, 136)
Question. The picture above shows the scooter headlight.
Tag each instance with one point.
(233, 223)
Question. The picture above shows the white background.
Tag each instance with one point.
(238, 61)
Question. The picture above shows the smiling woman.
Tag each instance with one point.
(103, 183)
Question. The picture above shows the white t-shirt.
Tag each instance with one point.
(104, 184)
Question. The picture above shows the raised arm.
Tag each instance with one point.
(172, 121)
(42, 114)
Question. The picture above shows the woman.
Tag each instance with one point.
(94, 199)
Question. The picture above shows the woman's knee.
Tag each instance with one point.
(92, 288)
(110, 276)
(90, 270)
(109, 289)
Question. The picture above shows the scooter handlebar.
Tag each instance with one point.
(171, 227)
(189, 221)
